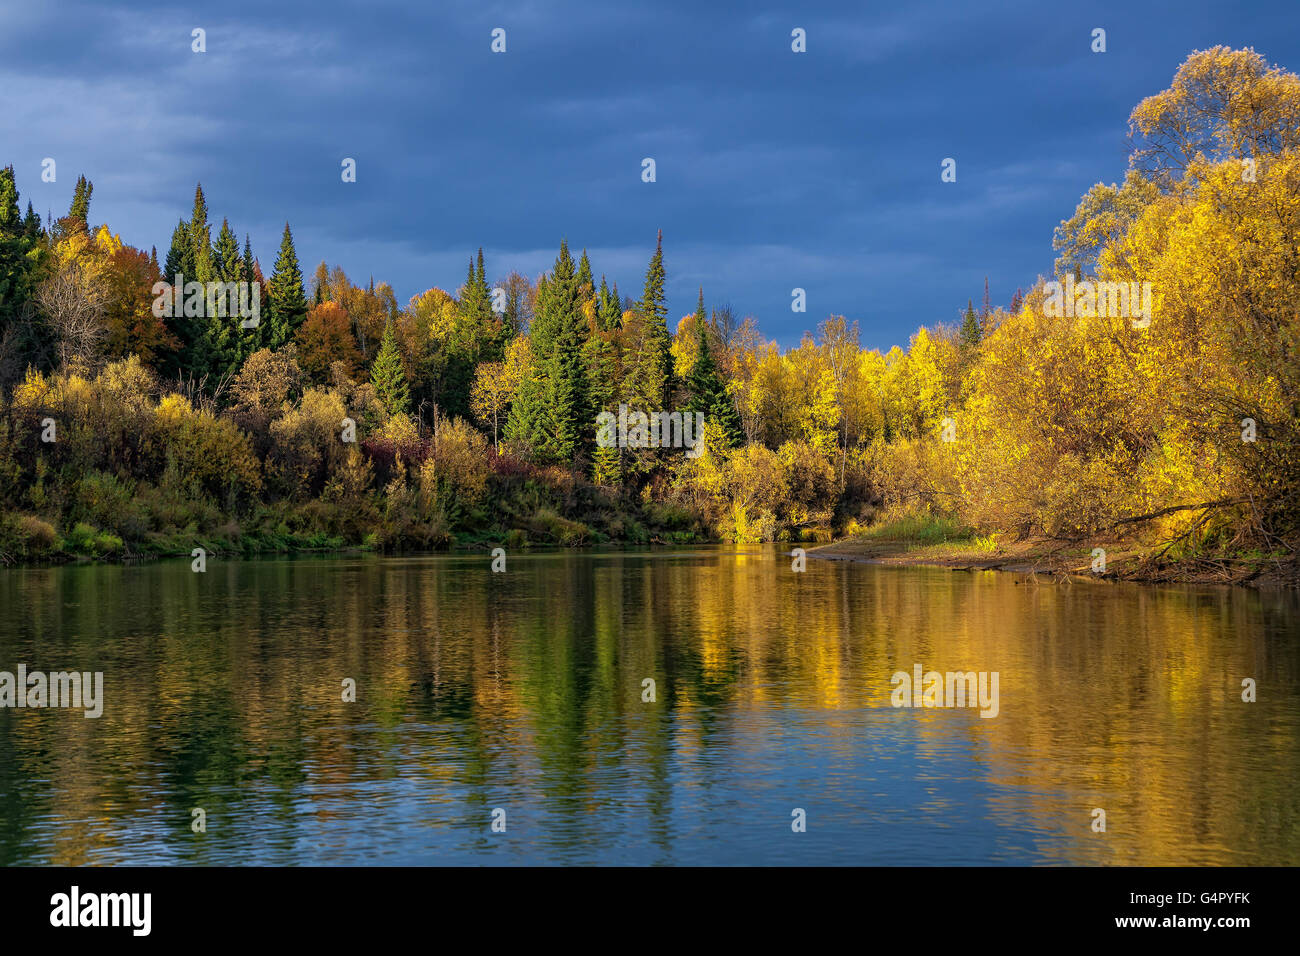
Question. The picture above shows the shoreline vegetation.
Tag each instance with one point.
(962, 549)
(1135, 415)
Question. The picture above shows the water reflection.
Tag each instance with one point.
(524, 691)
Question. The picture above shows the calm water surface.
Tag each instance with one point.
(523, 691)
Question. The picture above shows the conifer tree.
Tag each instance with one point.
(246, 261)
(476, 298)
(652, 364)
(201, 240)
(551, 411)
(180, 256)
(10, 220)
(32, 224)
(80, 209)
(16, 270)
(969, 336)
(609, 312)
(708, 391)
(585, 280)
(387, 375)
(227, 255)
(287, 301)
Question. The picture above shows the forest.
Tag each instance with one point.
(346, 419)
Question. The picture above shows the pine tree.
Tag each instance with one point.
(387, 376)
(287, 302)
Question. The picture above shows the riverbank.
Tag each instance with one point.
(1124, 560)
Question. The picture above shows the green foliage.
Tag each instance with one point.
(387, 376)
(286, 300)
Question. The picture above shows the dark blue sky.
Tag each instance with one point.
(775, 169)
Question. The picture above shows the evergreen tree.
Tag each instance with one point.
(708, 391)
(227, 255)
(225, 331)
(80, 209)
(480, 278)
(247, 262)
(387, 376)
(652, 364)
(969, 336)
(32, 224)
(609, 314)
(17, 272)
(551, 411)
(180, 256)
(250, 340)
(476, 298)
(288, 303)
(11, 223)
(585, 280)
(201, 240)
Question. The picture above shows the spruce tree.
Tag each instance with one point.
(969, 336)
(585, 280)
(227, 255)
(180, 256)
(226, 332)
(32, 224)
(609, 314)
(79, 212)
(287, 302)
(551, 412)
(246, 261)
(16, 269)
(652, 364)
(708, 391)
(11, 223)
(480, 278)
(476, 298)
(201, 240)
(387, 375)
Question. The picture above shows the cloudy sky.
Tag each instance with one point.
(775, 170)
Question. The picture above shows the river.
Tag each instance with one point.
(506, 718)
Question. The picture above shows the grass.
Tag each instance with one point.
(926, 529)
